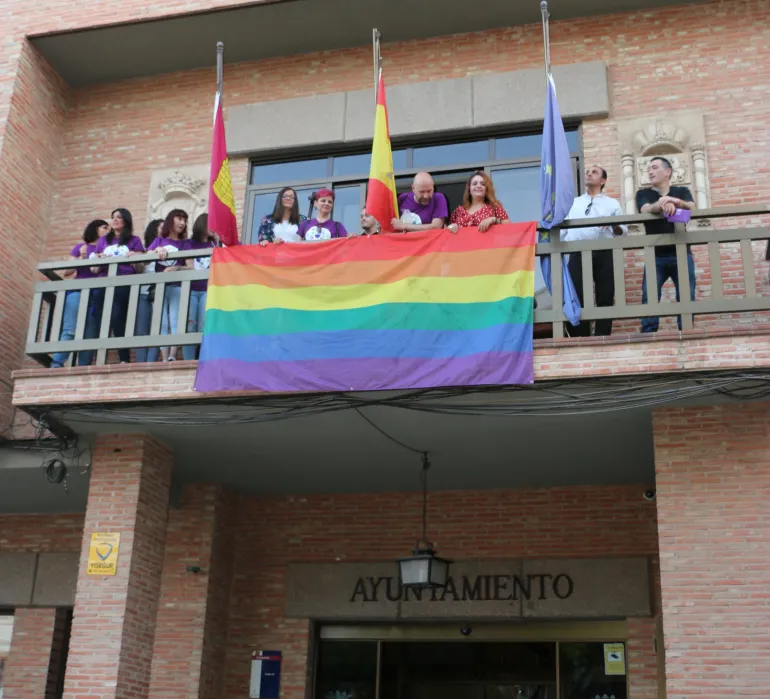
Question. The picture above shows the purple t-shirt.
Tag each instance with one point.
(200, 263)
(435, 208)
(83, 272)
(115, 249)
(171, 245)
(312, 230)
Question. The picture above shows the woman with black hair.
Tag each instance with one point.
(281, 226)
(146, 297)
(82, 251)
(172, 238)
(119, 242)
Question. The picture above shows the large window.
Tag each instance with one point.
(470, 670)
(513, 161)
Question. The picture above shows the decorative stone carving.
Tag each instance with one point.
(679, 137)
(179, 188)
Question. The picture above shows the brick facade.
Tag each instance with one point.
(713, 479)
(29, 660)
(114, 618)
(96, 147)
(208, 623)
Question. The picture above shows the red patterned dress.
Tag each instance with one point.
(465, 220)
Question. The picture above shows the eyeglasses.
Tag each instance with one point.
(588, 208)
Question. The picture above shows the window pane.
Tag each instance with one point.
(264, 202)
(346, 669)
(583, 673)
(518, 190)
(296, 171)
(452, 154)
(347, 207)
(6, 630)
(346, 165)
(529, 146)
(399, 159)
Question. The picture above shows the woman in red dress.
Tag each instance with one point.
(480, 206)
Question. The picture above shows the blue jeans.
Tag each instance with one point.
(666, 268)
(169, 321)
(93, 321)
(195, 320)
(118, 317)
(143, 322)
(69, 322)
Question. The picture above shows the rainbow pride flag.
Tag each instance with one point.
(372, 313)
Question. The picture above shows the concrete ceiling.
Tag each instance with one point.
(339, 452)
(287, 27)
(589, 432)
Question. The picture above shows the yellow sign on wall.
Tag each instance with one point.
(614, 659)
(103, 554)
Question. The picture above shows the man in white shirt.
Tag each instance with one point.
(594, 204)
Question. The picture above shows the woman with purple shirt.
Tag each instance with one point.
(322, 227)
(202, 239)
(81, 251)
(119, 242)
(172, 238)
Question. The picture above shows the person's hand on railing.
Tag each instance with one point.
(486, 224)
(453, 227)
(83, 254)
(162, 253)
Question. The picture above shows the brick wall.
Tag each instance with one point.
(29, 658)
(713, 481)
(190, 641)
(556, 522)
(113, 627)
(30, 142)
(61, 533)
(243, 545)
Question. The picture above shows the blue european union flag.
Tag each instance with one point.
(557, 192)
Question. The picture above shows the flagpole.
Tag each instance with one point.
(546, 37)
(377, 60)
(220, 65)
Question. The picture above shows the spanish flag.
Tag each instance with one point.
(381, 199)
(221, 201)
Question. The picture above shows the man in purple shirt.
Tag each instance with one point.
(422, 209)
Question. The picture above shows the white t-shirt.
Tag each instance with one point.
(287, 232)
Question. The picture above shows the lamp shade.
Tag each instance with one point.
(423, 569)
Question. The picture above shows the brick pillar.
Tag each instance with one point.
(189, 653)
(113, 628)
(26, 674)
(713, 483)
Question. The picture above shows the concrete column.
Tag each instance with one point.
(113, 627)
(713, 488)
(629, 186)
(189, 652)
(26, 674)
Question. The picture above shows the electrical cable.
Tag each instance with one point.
(391, 437)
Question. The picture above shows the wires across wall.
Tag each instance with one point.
(552, 398)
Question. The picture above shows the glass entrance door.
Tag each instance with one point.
(429, 669)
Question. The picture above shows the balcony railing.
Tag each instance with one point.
(48, 303)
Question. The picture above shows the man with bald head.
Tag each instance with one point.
(422, 209)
